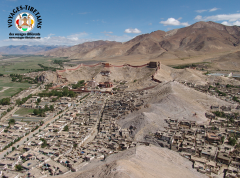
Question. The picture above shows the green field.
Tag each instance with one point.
(24, 111)
(24, 64)
(15, 87)
(19, 64)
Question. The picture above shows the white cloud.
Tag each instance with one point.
(198, 17)
(209, 10)
(185, 24)
(221, 17)
(227, 19)
(172, 21)
(237, 23)
(106, 32)
(150, 24)
(226, 23)
(180, 18)
(131, 30)
(77, 36)
(213, 9)
(70, 40)
(201, 11)
(122, 38)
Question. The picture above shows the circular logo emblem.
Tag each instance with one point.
(25, 22)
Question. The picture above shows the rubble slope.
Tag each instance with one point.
(170, 100)
(140, 162)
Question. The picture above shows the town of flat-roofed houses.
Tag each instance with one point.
(74, 124)
(87, 115)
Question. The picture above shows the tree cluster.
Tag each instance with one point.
(18, 167)
(44, 144)
(41, 112)
(45, 68)
(5, 101)
(232, 141)
(64, 92)
(11, 122)
(236, 99)
(78, 85)
(66, 128)
(60, 62)
(23, 100)
(21, 78)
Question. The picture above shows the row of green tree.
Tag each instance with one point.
(23, 100)
(11, 143)
(60, 93)
(60, 62)
(48, 68)
(23, 79)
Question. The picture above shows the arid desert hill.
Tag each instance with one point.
(139, 162)
(230, 62)
(169, 100)
(83, 49)
(198, 39)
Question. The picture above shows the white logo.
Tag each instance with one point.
(24, 22)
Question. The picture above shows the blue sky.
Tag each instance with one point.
(74, 21)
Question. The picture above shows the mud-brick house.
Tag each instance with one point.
(223, 158)
(213, 138)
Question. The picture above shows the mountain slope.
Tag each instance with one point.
(80, 50)
(199, 38)
(169, 100)
(139, 162)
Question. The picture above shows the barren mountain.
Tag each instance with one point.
(76, 51)
(199, 38)
(169, 100)
(139, 162)
(229, 62)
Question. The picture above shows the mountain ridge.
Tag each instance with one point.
(26, 49)
(199, 38)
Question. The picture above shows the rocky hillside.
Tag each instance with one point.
(199, 38)
(81, 50)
